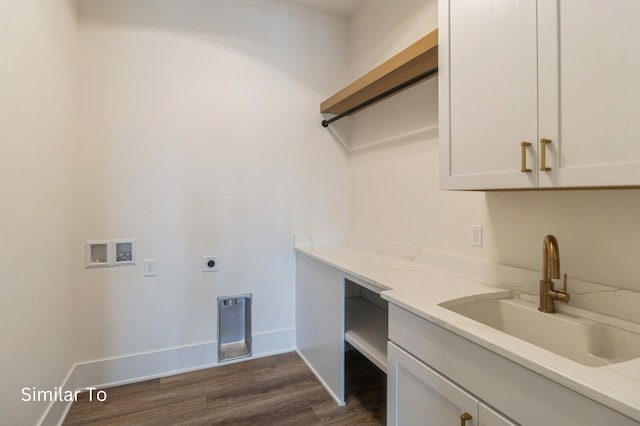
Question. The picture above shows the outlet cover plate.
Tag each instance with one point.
(476, 235)
(207, 259)
(149, 267)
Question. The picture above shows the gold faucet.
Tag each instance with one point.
(551, 270)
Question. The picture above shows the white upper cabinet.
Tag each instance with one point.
(589, 62)
(488, 92)
(559, 75)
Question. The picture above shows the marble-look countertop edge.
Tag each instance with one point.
(605, 385)
(314, 254)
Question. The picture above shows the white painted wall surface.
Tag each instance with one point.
(394, 191)
(200, 134)
(37, 207)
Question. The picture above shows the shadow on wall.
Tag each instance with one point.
(597, 231)
(407, 117)
(262, 30)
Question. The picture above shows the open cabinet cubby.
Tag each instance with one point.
(366, 323)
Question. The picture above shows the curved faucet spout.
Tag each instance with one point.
(551, 270)
(550, 258)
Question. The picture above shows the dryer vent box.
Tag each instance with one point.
(234, 327)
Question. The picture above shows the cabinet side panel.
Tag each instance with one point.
(320, 321)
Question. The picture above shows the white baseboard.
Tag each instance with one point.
(105, 373)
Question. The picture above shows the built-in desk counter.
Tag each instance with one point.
(417, 290)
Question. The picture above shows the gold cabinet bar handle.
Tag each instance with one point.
(523, 166)
(543, 155)
(464, 417)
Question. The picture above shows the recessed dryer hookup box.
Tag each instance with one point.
(97, 253)
(234, 327)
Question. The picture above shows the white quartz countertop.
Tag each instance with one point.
(420, 289)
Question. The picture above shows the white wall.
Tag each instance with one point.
(37, 110)
(200, 134)
(394, 186)
(394, 190)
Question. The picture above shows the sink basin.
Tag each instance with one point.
(588, 342)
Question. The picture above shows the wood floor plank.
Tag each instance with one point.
(165, 415)
(159, 397)
(268, 401)
(276, 390)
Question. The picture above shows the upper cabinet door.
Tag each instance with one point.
(589, 67)
(488, 93)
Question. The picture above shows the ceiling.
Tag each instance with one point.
(337, 7)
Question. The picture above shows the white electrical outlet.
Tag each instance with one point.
(149, 267)
(476, 235)
(210, 263)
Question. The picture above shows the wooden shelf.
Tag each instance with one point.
(416, 61)
(366, 329)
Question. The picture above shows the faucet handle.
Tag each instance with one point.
(561, 296)
(557, 295)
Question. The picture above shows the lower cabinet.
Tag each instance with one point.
(490, 417)
(418, 395)
(435, 376)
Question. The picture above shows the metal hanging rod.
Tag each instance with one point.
(396, 89)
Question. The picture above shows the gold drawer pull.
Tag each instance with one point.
(543, 155)
(523, 166)
(464, 417)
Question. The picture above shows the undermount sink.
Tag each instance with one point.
(588, 342)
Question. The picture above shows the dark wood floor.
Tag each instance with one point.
(276, 390)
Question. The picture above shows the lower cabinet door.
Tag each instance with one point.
(418, 395)
(490, 417)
